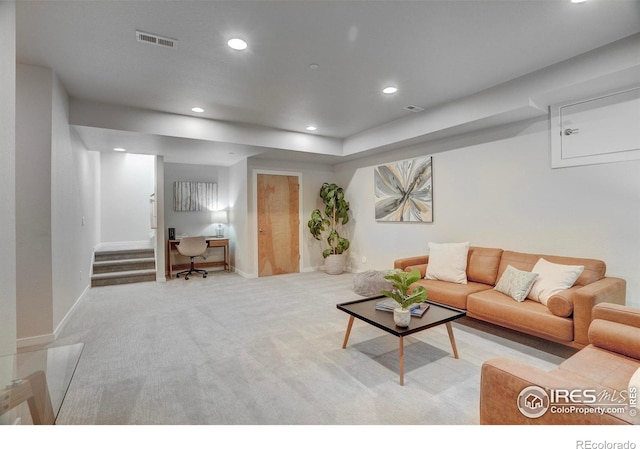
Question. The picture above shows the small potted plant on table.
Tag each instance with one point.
(401, 283)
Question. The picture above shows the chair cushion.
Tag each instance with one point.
(599, 367)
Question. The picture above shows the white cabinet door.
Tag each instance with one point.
(599, 130)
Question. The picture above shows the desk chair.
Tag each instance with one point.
(192, 247)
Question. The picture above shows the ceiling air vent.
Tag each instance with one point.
(413, 108)
(154, 39)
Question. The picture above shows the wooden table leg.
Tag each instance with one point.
(452, 340)
(40, 403)
(32, 389)
(401, 361)
(346, 335)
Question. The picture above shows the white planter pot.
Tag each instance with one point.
(334, 264)
(401, 317)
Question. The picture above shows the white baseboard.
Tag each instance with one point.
(64, 320)
(38, 340)
(243, 274)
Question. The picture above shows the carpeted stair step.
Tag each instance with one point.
(123, 254)
(122, 277)
(112, 266)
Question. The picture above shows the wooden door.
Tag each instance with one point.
(278, 225)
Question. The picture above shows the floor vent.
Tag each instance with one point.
(153, 39)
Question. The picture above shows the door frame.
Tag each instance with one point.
(254, 208)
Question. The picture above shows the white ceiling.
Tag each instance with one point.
(433, 51)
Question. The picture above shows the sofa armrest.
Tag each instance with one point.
(501, 382)
(609, 289)
(402, 264)
(616, 328)
(617, 313)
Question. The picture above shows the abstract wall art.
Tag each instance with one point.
(404, 191)
(195, 196)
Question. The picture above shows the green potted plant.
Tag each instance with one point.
(401, 282)
(336, 214)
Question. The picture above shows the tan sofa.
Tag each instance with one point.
(602, 370)
(565, 318)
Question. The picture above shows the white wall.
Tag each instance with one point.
(33, 201)
(160, 236)
(74, 193)
(198, 222)
(56, 214)
(241, 249)
(497, 188)
(8, 331)
(126, 183)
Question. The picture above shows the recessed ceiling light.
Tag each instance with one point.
(390, 90)
(119, 149)
(311, 128)
(197, 109)
(237, 44)
(578, 1)
(313, 66)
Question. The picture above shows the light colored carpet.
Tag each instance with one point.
(229, 350)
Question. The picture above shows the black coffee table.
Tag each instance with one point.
(437, 314)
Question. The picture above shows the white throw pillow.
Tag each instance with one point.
(552, 278)
(516, 283)
(448, 262)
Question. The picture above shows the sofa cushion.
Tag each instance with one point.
(449, 293)
(528, 316)
(448, 262)
(553, 278)
(594, 269)
(599, 367)
(483, 265)
(516, 283)
(561, 304)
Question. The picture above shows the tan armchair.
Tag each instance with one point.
(591, 387)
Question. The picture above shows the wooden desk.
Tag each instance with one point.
(212, 242)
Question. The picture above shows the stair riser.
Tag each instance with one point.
(128, 266)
